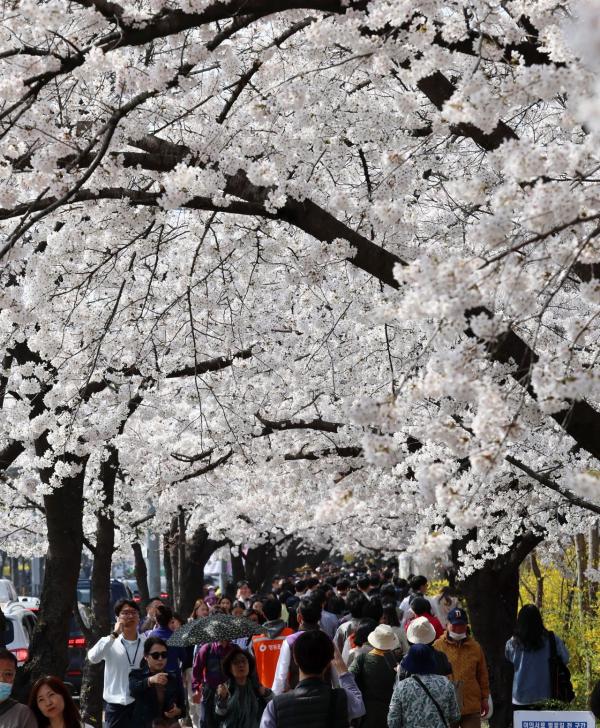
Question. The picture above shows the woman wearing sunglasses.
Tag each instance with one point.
(158, 694)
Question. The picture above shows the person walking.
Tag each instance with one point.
(423, 699)
(52, 704)
(355, 603)
(207, 675)
(418, 588)
(313, 702)
(239, 702)
(421, 632)
(266, 647)
(151, 606)
(375, 675)
(177, 655)
(529, 651)
(286, 672)
(422, 608)
(360, 639)
(12, 713)
(468, 667)
(122, 651)
(443, 603)
(158, 694)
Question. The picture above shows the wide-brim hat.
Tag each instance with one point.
(383, 637)
(420, 631)
(420, 660)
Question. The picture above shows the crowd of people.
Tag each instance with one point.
(369, 652)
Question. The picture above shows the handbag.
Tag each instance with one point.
(433, 700)
(560, 676)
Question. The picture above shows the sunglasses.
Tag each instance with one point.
(158, 655)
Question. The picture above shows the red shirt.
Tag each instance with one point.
(434, 621)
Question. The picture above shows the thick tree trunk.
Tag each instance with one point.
(181, 554)
(168, 568)
(238, 571)
(539, 582)
(64, 518)
(141, 572)
(261, 564)
(594, 554)
(173, 551)
(198, 550)
(492, 595)
(102, 620)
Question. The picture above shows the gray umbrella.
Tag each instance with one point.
(214, 628)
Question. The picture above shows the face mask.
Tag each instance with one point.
(457, 635)
(5, 691)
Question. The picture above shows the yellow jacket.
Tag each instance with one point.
(469, 666)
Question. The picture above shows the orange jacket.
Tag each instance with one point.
(266, 653)
(468, 664)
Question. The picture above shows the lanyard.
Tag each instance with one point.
(137, 647)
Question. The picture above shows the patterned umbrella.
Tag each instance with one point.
(214, 628)
(178, 638)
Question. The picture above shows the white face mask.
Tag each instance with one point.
(457, 635)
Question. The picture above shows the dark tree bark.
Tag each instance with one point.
(198, 550)
(64, 518)
(238, 572)
(92, 681)
(262, 563)
(167, 565)
(141, 572)
(492, 596)
(172, 544)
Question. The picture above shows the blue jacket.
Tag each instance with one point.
(175, 655)
(531, 681)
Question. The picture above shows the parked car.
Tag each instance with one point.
(118, 590)
(77, 649)
(31, 603)
(8, 593)
(18, 630)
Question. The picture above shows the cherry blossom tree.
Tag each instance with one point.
(315, 268)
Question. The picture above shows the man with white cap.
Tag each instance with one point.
(375, 675)
(421, 632)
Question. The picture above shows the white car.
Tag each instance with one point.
(8, 593)
(31, 603)
(20, 623)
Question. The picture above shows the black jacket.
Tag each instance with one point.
(146, 707)
(312, 703)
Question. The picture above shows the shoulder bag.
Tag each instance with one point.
(560, 676)
(433, 700)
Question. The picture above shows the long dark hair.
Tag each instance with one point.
(71, 715)
(529, 630)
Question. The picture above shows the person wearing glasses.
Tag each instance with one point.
(158, 694)
(122, 652)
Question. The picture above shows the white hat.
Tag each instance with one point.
(383, 637)
(420, 631)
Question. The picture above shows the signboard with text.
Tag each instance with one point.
(554, 719)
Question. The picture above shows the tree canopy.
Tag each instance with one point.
(315, 267)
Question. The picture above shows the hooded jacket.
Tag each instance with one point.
(469, 666)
